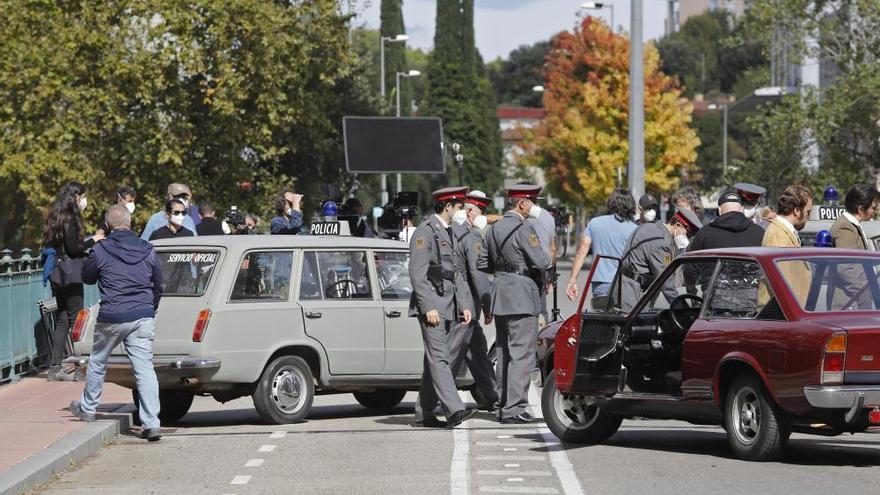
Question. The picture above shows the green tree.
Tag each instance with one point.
(234, 98)
(391, 18)
(514, 78)
(459, 92)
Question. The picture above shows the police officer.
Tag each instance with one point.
(469, 243)
(649, 251)
(751, 196)
(513, 253)
(441, 299)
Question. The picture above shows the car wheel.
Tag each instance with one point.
(575, 421)
(380, 399)
(173, 405)
(755, 427)
(285, 391)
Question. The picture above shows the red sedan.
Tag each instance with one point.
(763, 341)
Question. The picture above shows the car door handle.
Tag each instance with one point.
(310, 314)
(392, 314)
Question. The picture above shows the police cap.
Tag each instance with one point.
(524, 191)
(450, 193)
(750, 193)
(478, 199)
(689, 220)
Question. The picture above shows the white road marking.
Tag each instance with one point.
(278, 434)
(240, 480)
(518, 489)
(254, 463)
(512, 472)
(510, 449)
(559, 461)
(458, 468)
(511, 465)
(510, 458)
(514, 479)
(266, 448)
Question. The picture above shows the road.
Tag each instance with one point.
(345, 448)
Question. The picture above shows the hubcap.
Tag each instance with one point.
(288, 389)
(574, 414)
(747, 420)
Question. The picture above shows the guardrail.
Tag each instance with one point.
(22, 335)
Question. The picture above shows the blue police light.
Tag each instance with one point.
(824, 239)
(330, 211)
(830, 195)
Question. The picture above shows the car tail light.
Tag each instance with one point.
(874, 416)
(834, 360)
(79, 326)
(201, 325)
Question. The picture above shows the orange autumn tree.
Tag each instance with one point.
(583, 139)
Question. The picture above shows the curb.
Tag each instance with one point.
(59, 456)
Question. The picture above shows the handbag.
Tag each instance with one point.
(68, 271)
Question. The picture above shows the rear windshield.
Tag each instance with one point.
(187, 273)
(833, 284)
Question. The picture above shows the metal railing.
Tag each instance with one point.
(22, 332)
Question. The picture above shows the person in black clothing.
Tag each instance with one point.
(125, 196)
(64, 233)
(175, 211)
(209, 224)
(730, 229)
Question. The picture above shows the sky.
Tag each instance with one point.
(503, 25)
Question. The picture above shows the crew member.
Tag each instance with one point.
(469, 244)
(175, 213)
(441, 299)
(180, 193)
(648, 206)
(209, 224)
(730, 229)
(649, 251)
(512, 251)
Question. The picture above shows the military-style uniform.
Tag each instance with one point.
(470, 245)
(648, 252)
(512, 251)
(439, 280)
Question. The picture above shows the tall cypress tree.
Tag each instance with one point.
(395, 53)
(458, 91)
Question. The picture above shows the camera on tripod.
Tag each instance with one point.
(402, 208)
(235, 218)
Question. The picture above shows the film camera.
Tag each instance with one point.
(403, 207)
(560, 215)
(235, 218)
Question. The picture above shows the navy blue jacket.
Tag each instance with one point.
(129, 277)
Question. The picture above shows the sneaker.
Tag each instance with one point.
(151, 434)
(77, 411)
(58, 374)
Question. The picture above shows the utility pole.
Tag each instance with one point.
(636, 168)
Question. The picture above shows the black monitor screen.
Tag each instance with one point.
(411, 145)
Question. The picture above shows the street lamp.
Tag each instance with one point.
(409, 73)
(390, 39)
(723, 107)
(600, 6)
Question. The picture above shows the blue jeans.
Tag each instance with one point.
(137, 336)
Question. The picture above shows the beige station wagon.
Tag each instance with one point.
(279, 318)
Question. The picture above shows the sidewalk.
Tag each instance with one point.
(39, 437)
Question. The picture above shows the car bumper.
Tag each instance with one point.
(853, 398)
(169, 369)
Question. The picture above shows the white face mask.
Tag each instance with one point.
(650, 215)
(129, 207)
(480, 222)
(459, 217)
(177, 220)
(534, 211)
(750, 212)
(82, 204)
(681, 241)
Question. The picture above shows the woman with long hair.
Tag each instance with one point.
(64, 239)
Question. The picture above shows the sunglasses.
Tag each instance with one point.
(177, 212)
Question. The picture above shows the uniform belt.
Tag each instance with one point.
(452, 274)
(516, 271)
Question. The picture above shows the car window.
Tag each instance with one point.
(876, 241)
(741, 291)
(263, 276)
(186, 273)
(833, 284)
(393, 271)
(689, 277)
(332, 275)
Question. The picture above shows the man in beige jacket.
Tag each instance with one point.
(861, 205)
(793, 210)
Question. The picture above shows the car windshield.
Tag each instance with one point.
(833, 284)
(186, 273)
